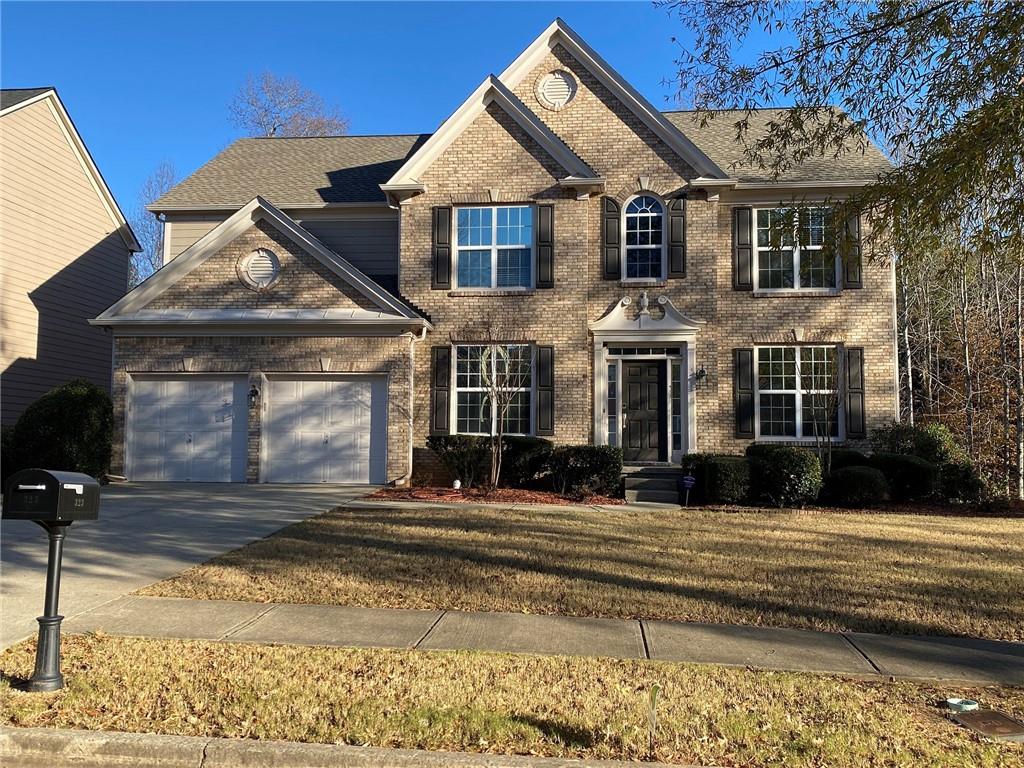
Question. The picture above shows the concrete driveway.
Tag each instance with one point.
(146, 532)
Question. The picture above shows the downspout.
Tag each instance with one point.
(413, 338)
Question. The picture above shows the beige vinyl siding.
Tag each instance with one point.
(62, 262)
(368, 239)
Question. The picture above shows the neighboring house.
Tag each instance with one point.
(324, 300)
(65, 249)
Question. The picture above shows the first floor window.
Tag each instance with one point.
(494, 247)
(613, 404)
(791, 249)
(798, 392)
(677, 404)
(491, 381)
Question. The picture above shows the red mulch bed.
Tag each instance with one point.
(480, 495)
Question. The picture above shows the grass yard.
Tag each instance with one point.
(889, 573)
(496, 703)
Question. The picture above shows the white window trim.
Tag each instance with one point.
(494, 248)
(798, 438)
(664, 242)
(453, 415)
(797, 249)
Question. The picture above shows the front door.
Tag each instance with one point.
(644, 411)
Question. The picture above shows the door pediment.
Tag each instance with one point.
(643, 316)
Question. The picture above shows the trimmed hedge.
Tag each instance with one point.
(911, 478)
(579, 470)
(70, 428)
(933, 442)
(466, 457)
(784, 475)
(721, 479)
(523, 460)
(961, 482)
(847, 457)
(855, 486)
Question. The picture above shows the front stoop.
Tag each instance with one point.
(53, 748)
(652, 484)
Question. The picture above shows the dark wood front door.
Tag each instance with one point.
(645, 411)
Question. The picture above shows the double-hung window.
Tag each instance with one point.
(798, 392)
(494, 247)
(645, 239)
(791, 252)
(493, 380)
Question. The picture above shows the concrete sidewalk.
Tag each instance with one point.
(860, 654)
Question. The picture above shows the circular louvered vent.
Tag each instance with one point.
(260, 269)
(556, 89)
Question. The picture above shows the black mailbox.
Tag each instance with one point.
(49, 495)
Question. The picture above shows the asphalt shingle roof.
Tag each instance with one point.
(11, 96)
(297, 172)
(718, 141)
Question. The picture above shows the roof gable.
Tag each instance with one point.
(254, 211)
(14, 99)
(490, 91)
(559, 33)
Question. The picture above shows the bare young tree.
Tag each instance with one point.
(268, 105)
(820, 385)
(148, 228)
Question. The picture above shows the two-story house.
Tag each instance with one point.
(65, 252)
(328, 303)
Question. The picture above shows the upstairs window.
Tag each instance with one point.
(790, 250)
(494, 247)
(645, 239)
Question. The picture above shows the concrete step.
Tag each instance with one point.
(640, 482)
(661, 468)
(651, 496)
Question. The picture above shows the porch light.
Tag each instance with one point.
(700, 376)
(254, 396)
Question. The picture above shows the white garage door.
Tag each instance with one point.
(187, 428)
(326, 430)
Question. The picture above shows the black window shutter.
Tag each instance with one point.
(545, 246)
(852, 272)
(743, 249)
(545, 375)
(743, 391)
(856, 422)
(441, 247)
(440, 389)
(611, 241)
(677, 237)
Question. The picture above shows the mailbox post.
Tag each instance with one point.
(52, 500)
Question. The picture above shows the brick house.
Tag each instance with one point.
(328, 303)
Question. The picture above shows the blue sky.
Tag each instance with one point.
(145, 82)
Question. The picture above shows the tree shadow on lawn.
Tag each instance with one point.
(559, 733)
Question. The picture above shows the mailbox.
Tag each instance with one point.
(51, 496)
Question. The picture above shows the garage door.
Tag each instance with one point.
(187, 428)
(326, 430)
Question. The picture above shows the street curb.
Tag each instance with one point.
(55, 748)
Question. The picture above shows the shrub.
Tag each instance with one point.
(579, 470)
(961, 481)
(7, 459)
(466, 457)
(911, 478)
(847, 457)
(855, 486)
(70, 428)
(933, 442)
(523, 459)
(784, 475)
(721, 479)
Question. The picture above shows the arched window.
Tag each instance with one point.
(645, 240)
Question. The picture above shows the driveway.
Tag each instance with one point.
(146, 532)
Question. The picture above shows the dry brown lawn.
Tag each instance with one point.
(495, 703)
(889, 573)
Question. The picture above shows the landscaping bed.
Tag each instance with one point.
(502, 704)
(486, 496)
(887, 573)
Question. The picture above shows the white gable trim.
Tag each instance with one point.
(490, 91)
(253, 211)
(81, 154)
(559, 33)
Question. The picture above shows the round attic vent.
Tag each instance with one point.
(556, 89)
(260, 269)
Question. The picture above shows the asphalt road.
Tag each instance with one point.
(146, 532)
